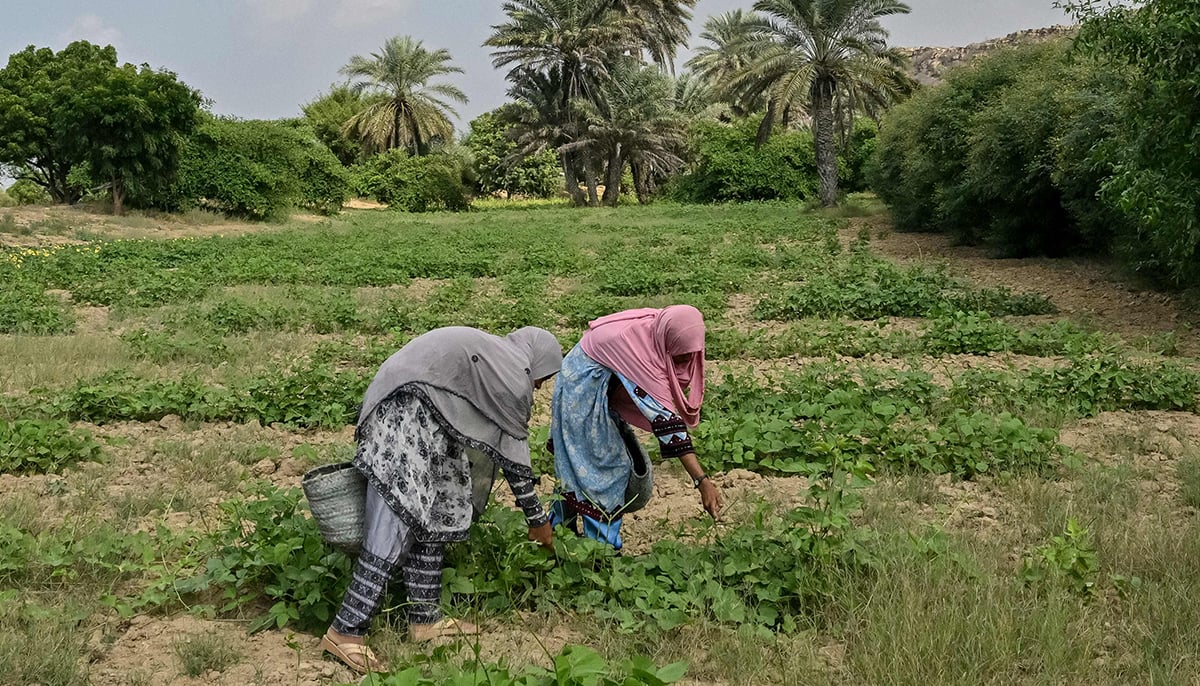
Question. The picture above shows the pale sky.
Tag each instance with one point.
(265, 58)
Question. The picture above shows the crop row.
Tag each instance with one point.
(982, 421)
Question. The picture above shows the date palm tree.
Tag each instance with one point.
(659, 26)
(635, 121)
(576, 44)
(811, 50)
(726, 56)
(539, 123)
(411, 111)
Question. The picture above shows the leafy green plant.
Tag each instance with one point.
(160, 346)
(1068, 559)
(316, 396)
(25, 308)
(80, 552)
(771, 574)
(963, 332)
(863, 286)
(34, 446)
(268, 549)
(968, 444)
(574, 665)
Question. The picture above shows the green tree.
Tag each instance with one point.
(574, 46)
(499, 168)
(411, 112)
(541, 125)
(725, 57)
(129, 126)
(38, 89)
(694, 97)
(1157, 164)
(327, 116)
(635, 120)
(568, 44)
(816, 50)
(659, 26)
(258, 169)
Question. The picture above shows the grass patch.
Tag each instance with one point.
(1188, 473)
(40, 644)
(205, 652)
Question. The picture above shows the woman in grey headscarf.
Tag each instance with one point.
(441, 415)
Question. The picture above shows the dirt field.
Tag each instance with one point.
(177, 472)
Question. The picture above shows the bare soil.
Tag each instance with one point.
(71, 224)
(1090, 291)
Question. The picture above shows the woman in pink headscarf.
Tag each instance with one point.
(640, 367)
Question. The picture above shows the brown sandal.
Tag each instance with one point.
(447, 627)
(356, 656)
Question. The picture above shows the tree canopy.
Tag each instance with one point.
(408, 111)
(77, 108)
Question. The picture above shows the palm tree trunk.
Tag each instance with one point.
(612, 177)
(589, 178)
(764, 129)
(823, 140)
(416, 137)
(568, 161)
(641, 182)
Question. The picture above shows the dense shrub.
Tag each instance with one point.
(258, 169)
(1088, 146)
(1011, 182)
(933, 166)
(26, 192)
(1157, 161)
(414, 184)
(727, 166)
(538, 176)
(856, 152)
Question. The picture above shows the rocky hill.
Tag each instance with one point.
(929, 64)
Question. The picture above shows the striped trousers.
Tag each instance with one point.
(389, 548)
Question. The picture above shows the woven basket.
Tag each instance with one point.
(640, 487)
(337, 496)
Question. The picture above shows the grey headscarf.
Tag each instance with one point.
(480, 384)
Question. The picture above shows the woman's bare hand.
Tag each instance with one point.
(710, 498)
(542, 535)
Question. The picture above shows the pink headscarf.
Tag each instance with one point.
(640, 345)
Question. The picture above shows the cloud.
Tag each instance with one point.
(281, 10)
(92, 28)
(351, 13)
